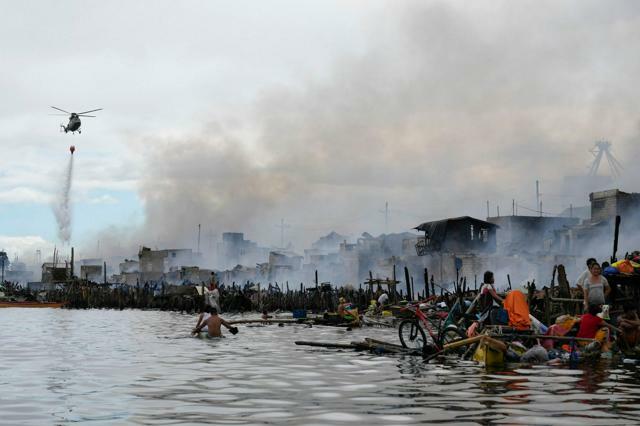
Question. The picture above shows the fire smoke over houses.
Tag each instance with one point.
(434, 107)
(447, 107)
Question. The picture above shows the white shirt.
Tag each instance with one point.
(205, 317)
(383, 299)
(213, 298)
(583, 276)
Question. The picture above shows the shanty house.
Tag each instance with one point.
(91, 273)
(52, 273)
(605, 205)
(154, 263)
(463, 234)
(528, 234)
(282, 263)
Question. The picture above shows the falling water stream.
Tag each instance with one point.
(62, 207)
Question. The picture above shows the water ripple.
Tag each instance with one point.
(141, 367)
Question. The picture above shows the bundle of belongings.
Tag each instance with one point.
(586, 336)
(628, 266)
(518, 310)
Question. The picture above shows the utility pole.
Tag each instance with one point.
(198, 239)
(72, 262)
(386, 217)
(3, 256)
(487, 209)
(538, 196)
(282, 227)
(385, 212)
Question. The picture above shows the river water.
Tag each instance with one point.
(134, 367)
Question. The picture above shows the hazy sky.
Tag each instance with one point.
(237, 114)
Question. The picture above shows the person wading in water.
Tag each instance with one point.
(213, 324)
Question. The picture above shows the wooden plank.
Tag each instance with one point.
(326, 344)
(269, 321)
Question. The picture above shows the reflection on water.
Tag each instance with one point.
(112, 367)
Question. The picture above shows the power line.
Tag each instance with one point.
(536, 210)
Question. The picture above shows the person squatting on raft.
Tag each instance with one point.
(629, 323)
(347, 311)
(595, 287)
(213, 324)
(594, 327)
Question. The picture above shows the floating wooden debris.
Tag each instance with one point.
(372, 345)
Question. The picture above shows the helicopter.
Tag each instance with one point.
(74, 119)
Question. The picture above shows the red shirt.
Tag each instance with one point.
(589, 325)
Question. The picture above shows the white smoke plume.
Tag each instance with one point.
(62, 205)
(447, 107)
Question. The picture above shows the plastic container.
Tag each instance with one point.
(537, 325)
(299, 313)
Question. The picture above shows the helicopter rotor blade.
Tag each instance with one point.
(66, 115)
(93, 110)
(80, 115)
(60, 109)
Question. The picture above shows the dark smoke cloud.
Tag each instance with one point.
(452, 104)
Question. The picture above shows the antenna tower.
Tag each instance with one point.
(603, 149)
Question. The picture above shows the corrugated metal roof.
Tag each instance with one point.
(435, 225)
